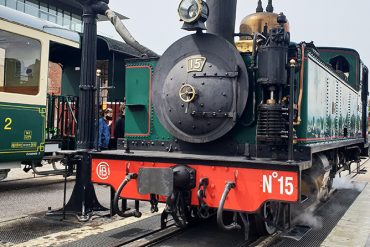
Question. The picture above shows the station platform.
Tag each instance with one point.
(354, 227)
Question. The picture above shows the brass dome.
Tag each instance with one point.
(255, 23)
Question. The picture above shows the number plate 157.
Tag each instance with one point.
(196, 64)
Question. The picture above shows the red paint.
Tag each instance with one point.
(248, 195)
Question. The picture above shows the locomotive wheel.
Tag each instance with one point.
(266, 220)
(309, 189)
(317, 182)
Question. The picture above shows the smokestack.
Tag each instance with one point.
(269, 7)
(221, 20)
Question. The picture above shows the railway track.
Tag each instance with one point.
(154, 237)
(207, 233)
(203, 234)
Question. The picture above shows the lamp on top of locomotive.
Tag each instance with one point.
(194, 13)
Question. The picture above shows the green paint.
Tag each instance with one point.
(141, 120)
(326, 54)
(325, 114)
(70, 81)
(22, 132)
(329, 104)
(117, 78)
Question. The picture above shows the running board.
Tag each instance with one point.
(297, 232)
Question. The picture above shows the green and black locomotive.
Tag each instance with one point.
(250, 127)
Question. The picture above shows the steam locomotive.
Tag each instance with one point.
(239, 130)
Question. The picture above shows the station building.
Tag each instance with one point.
(65, 13)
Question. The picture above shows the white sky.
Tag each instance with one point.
(340, 23)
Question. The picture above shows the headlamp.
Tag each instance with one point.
(191, 11)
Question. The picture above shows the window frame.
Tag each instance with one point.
(17, 89)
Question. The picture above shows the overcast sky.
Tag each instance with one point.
(340, 23)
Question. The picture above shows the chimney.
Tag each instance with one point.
(221, 20)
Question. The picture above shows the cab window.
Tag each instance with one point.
(19, 64)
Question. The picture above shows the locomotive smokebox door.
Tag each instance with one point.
(200, 88)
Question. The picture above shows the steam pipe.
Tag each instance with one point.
(291, 111)
(116, 209)
(221, 20)
(220, 210)
(126, 35)
(254, 53)
(298, 121)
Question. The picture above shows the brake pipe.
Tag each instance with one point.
(220, 210)
(136, 213)
(300, 96)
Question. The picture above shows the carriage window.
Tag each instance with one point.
(19, 64)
